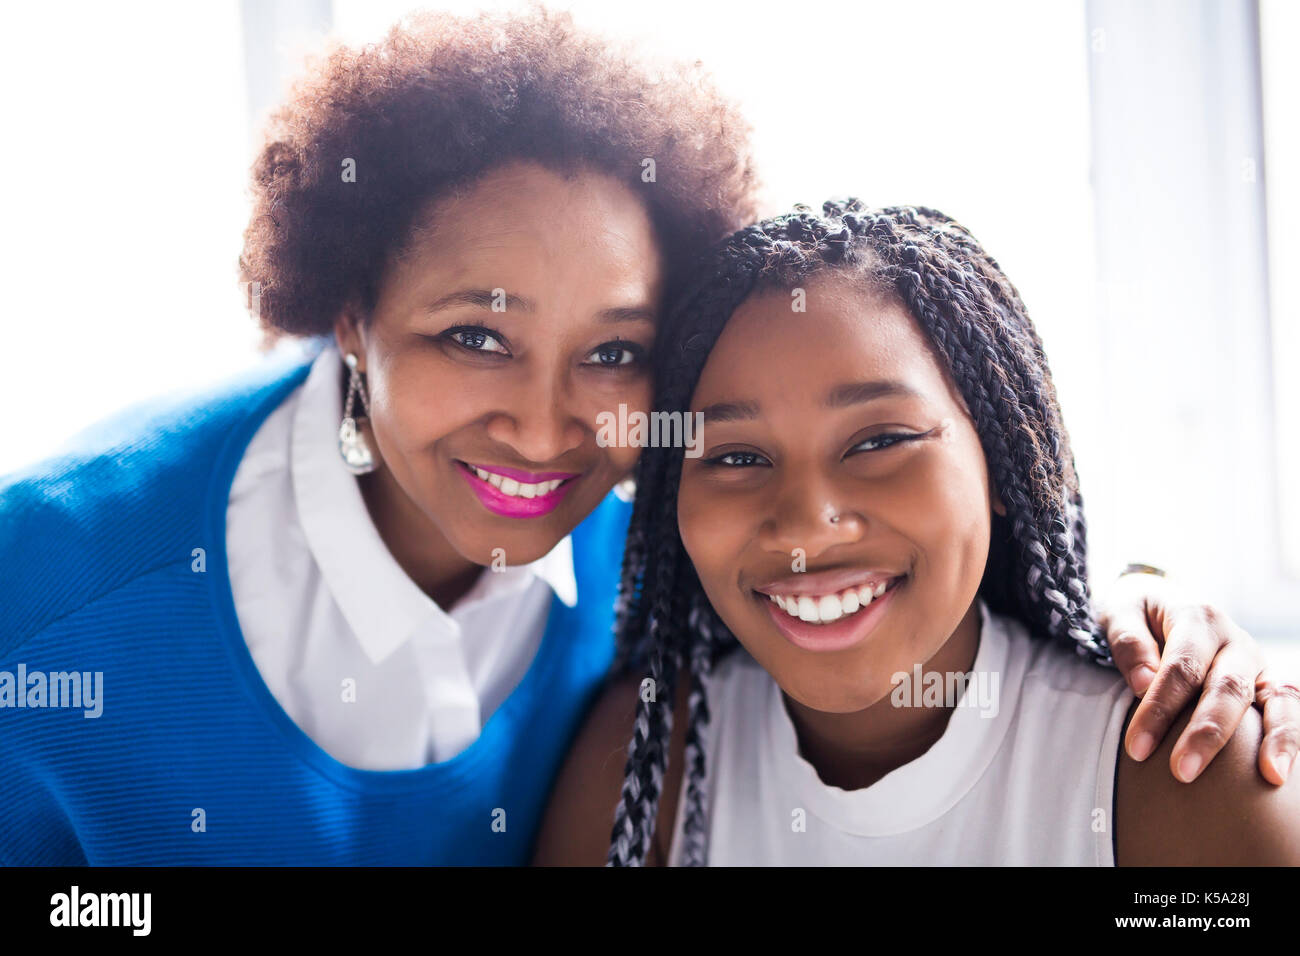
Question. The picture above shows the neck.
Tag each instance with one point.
(854, 750)
(419, 548)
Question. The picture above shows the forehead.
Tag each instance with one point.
(568, 244)
(846, 333)
(528, 206)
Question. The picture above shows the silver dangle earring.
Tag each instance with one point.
(357, 456)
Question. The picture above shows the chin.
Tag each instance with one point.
(518, 546)
(836, 700)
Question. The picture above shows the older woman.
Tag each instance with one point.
(350, 608)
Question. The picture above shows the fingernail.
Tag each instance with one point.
(1284, 766)
(1142, 746)
(1142, 678)
(1189, 767)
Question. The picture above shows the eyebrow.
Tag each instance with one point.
(859, 393)
(730, 412)
(633, 314)
(486, 298)
(482, 298)
(841, 396)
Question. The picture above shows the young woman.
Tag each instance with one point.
(845, 622)
(350, 610)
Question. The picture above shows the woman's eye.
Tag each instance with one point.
(477, 340)
(879, 442)
(736, 459)
(613, 354)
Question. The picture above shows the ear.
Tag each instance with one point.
(350, 333)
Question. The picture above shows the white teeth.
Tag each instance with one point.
(826, 608)
(518, 489)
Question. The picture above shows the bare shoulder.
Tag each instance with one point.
(1228, 816)
(579, 815)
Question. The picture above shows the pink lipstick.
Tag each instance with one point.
(512, 493)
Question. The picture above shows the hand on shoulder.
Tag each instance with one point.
(1228, 816)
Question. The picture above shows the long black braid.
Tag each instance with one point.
(970, 311)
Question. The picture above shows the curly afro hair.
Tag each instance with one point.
(440, 102)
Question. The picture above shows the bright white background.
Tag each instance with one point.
(1117, 158)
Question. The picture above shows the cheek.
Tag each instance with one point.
(409, 403)
(620, 461)
(948, 509)
(603, 399)
(711, 534)
(949, 521)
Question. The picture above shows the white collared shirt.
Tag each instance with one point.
(366, 664)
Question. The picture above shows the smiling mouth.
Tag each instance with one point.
(831, 606)
(829, 620)
(516, 484)
(511, 493)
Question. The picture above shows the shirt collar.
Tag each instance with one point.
(380, 602)
(556, 569)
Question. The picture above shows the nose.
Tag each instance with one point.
(536, 418)
(809, 512)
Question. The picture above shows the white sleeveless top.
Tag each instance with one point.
(1028, 782)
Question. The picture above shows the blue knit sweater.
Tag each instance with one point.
(112, 563)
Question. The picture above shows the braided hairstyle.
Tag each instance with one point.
(978, 325)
